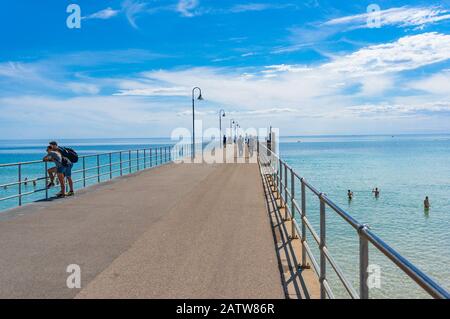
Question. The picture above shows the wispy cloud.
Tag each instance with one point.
(402, 17)
(187, 7)
(319, 33)
(257, 7)
(155, 91)
(407, 53)
(132, 9)
(104, 14)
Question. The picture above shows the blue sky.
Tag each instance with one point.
(307, 67)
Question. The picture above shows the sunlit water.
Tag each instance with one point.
(405, 169)
(34, 150)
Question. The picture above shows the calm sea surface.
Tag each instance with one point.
(405, 168)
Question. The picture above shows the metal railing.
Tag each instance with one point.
(90, 169)
(285, 180)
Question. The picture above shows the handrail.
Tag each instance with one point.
(125, 162)
(279, 170)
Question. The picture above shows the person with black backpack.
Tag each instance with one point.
(68, 158)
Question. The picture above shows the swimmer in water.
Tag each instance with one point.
(350, 195)
(426, 203)
(376, 192)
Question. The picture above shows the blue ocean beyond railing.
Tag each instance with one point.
(26, 182)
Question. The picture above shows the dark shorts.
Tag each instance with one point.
(66, 170)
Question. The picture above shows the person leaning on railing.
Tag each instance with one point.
(63, 169)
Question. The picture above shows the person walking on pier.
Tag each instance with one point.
(224, 140)
(241, 145)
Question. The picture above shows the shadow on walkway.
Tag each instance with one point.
(298, 283)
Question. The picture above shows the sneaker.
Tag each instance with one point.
(60, 195)
(70, 193)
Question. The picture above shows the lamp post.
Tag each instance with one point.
(221, 114)
(236, 126)
(193, 116)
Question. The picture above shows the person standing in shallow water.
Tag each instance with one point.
(350, 195)
(426, 203)
(376, 192)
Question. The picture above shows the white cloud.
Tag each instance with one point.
(103, 14)
(407, 53)
(186, 7)
(257, 7)
(155, 91)
(323, 92)
(132, 9)
(402, 17)
(386, 110)
(437, 84)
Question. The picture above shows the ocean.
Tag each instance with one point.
(405, 168)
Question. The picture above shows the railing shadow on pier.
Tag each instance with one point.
(295, 284)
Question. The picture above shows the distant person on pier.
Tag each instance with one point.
(426, 203)
(241, 145)
(224, 140)
(350, 195)
(376, 192)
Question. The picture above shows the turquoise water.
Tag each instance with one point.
(406, 169)
(33, 150)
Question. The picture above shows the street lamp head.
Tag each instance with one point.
(200, 97)
(223, 115)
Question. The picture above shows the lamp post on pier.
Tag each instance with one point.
(200, 97)
(221, 114)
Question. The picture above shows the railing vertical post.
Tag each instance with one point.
(323, 265)
(294, 236)
(110, 166)
(129, 161)
(19, 168)
(46, 179)
(304, 265)
(137, 159)
(161, 154)
(98, 168)
(285, 193)
(145, 158)
(363, 264)
(280, 181)
(151, 158)
(120, 163)
(84, 172)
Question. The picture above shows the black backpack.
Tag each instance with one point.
(69, 153)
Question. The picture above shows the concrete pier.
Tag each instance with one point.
(176, 231)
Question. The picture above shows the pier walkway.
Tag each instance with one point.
(175, 231)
